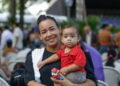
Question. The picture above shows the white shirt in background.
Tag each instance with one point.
(18, 33)
(88, 38)
(4, 37)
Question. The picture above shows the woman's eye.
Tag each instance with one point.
(51, 28)
(43, 32)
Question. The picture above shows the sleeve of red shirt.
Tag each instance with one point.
(59, 53)
(80, 59)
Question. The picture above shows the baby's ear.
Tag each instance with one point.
(79, 38)
(60, 29)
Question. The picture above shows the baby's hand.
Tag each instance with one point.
(40, 64)
(63, 71)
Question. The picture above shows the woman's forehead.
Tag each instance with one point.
(47, 24)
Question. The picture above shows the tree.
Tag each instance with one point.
(21, 8)
(11, 8)
(81, 10)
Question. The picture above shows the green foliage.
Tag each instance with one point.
(4, 2)
(48, 0)
(115, 29)
(93, 22)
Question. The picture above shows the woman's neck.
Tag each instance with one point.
(54, 49)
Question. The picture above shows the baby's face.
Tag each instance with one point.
(70, 37)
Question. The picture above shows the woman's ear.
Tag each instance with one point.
(40, 37)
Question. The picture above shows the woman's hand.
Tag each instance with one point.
(34, 83)
(64, 82)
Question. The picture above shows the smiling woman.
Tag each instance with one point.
(50, 35)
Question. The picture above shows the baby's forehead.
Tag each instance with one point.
(69, 30)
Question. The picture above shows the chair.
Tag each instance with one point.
(2, 74)
(3, 82)
(101, 83)
(117, 65)
(112, 76)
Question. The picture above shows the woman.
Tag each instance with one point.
(50, 35)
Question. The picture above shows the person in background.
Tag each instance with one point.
(117, 42)
(17, 37)
(6, 35)
(111, 58)
(105, 38)
(9, 49)
(90, 37)
(97, 61)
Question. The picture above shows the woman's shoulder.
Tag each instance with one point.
(38, 49)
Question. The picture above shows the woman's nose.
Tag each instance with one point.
(48, 33)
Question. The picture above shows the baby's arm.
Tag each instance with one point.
(70, 68)
(50, 59)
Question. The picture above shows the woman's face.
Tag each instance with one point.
(49, 33)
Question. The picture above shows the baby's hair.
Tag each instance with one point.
(71, 26)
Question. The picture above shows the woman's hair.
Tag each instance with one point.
(44, 17)
(71, 26)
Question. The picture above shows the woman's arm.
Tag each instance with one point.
(34, 83)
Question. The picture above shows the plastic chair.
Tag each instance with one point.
(112, 76)
(2, 74)
(3, 82)
(101, 83)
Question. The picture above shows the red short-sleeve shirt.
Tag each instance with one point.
(75, 56)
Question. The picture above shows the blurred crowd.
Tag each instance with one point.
(15, 43)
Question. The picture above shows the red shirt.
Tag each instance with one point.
(75, 56)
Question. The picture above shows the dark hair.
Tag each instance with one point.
(69, 26)
(19, 65)
(104, 25)
(17, 24)
(9, 43)
(44, 17)
(5, 27)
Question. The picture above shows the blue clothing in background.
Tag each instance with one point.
(97, 62)
(36, 28)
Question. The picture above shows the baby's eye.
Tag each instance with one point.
(72, 36)
(65, 36)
